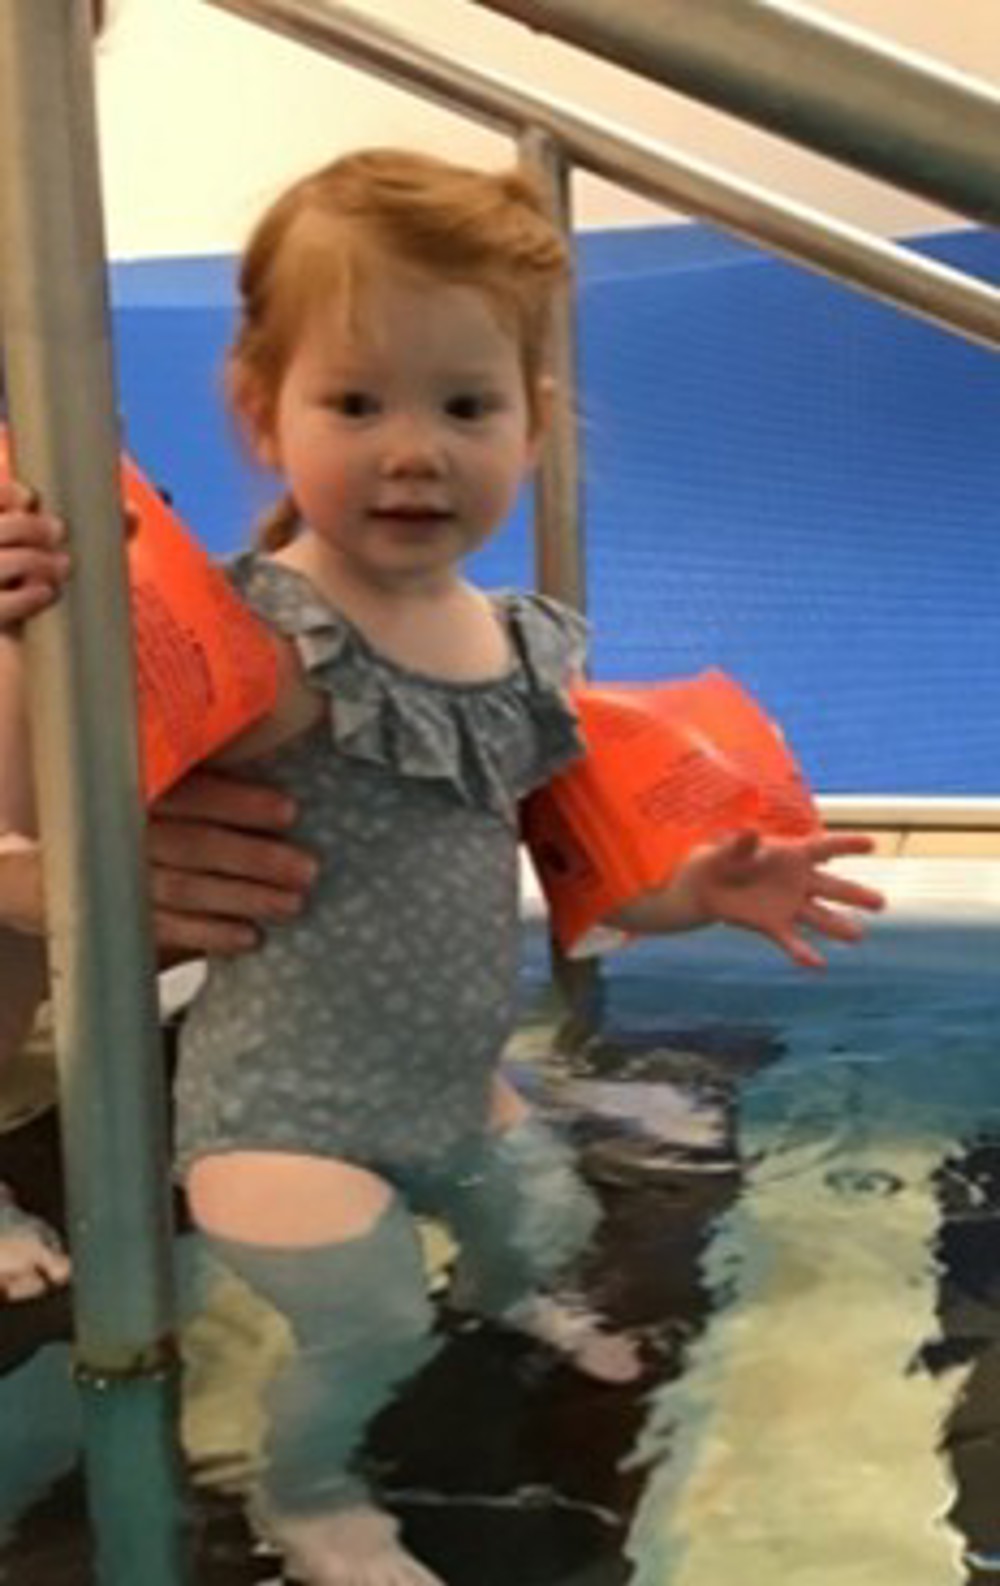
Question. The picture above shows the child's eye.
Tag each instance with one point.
(354, 404)
(468, 406)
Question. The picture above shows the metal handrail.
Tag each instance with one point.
(823, 83)
(949, 298)
(60, 387)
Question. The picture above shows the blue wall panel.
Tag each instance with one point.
(783, 479)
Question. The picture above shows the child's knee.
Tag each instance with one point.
(360, 1324)
(349, 1294)
(284, 1199)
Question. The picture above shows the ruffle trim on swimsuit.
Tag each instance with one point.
(427, 727)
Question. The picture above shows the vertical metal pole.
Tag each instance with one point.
(559, 526)
(59, 379)
(559, 557)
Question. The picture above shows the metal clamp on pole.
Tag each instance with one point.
(59, 380)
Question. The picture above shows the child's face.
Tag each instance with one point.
(404, 444)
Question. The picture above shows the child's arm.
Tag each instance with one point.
(221, 866)
(297, 709)
(774, 886)
(33, 568)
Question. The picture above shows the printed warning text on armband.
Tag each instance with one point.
(694, 788)
(788, 809)
(175, 679)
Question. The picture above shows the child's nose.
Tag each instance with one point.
(413, 446)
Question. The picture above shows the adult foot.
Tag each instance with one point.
(32, 1261)
(358, 1546)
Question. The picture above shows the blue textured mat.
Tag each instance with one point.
(783, 479)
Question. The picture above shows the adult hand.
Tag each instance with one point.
(222, 866)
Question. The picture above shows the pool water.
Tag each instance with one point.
(837, 1421)
(801, 1176)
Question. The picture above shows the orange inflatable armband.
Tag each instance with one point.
(668, 766)
(207, 667)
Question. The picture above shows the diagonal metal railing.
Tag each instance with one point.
(895, 115)
(815, 79)
(950, 298)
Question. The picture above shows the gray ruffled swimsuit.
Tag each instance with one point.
(368, 1028)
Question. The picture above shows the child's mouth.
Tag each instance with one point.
(412, 519)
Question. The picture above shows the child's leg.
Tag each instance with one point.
(335, 1251)
(522, 1215)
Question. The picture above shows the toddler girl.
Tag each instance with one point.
(389, 366)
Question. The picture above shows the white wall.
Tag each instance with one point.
(204, 117)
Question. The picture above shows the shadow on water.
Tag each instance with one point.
(968, 1255)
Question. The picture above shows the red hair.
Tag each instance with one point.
(332, 230)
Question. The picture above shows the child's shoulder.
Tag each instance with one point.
(277, 592)
(553, 634)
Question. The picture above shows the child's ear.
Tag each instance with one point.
(265, 446)
(258, 423)
(256, 418)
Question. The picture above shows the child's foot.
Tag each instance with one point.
(31, 1257)
(577, 1333)
(349, 1547)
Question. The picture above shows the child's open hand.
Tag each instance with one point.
(33, 562)
(778, 886)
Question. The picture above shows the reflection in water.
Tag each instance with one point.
(808, 1441)
(823, 1418)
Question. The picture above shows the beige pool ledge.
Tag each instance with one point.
(920, 828)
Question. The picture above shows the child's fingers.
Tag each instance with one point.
(798, 949)
(837, 889)
(831, 922)
(839, 846)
